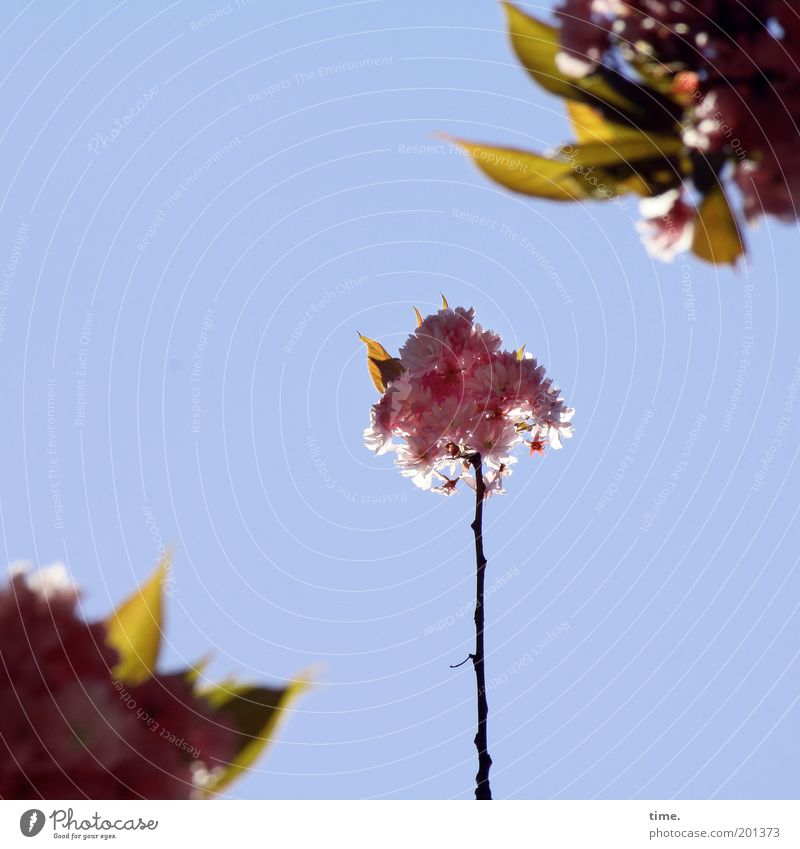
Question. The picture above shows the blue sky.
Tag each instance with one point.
(201, 206)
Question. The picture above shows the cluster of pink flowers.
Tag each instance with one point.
(734, 67)
(459, 394)
(68, 729)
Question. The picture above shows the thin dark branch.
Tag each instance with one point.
(482, 788)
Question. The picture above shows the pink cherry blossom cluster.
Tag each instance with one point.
(69, 730)
(459, 395)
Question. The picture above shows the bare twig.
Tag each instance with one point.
(482, 788)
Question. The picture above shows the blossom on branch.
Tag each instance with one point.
(456, 394)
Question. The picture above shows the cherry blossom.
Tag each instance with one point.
(459, 395)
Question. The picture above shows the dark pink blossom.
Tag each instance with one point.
(744, 60)
(68, 729)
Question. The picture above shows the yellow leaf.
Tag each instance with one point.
(445, 305)
(419, 317)
(717, 238)
(134, 628)
(255, 713)
(383, 367)
(520, 352)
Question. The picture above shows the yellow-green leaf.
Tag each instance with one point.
(134, 629)
(520, 352)
(590, 126)
(528, 173)
(383, 367)
(717, 238)
(254, 713)
(645, 165)
(445, 305)
(598, 171)
(418, 315)
(619, 152)
(195, 671)
(537, 45)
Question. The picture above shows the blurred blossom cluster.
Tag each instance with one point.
(692, 107)
(733, 65)
(455, 394)
(70, 729)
